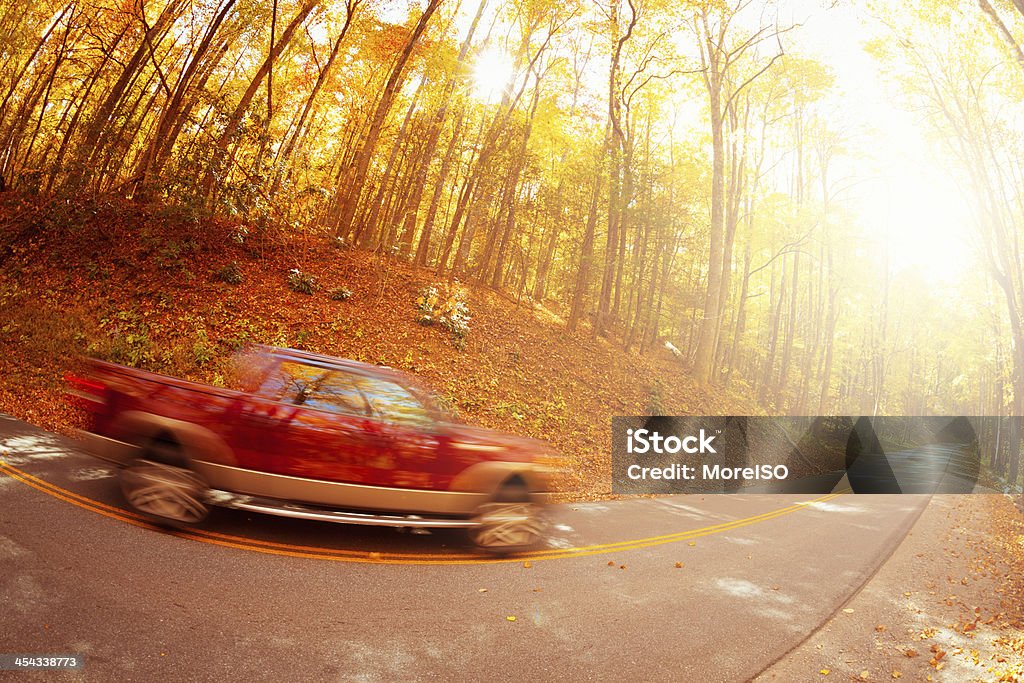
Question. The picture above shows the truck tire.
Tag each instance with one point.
(510, 522)
(166, 494)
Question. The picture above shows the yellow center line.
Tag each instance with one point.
(343, 555)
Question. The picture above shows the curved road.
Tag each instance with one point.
(266, 598)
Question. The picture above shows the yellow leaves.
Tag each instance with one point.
(692, 543)
(679, 565)
(897, 674)
(880, 628)
(865, 675)
(510, 618)
(527, 565)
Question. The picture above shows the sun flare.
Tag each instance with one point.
(492, 74)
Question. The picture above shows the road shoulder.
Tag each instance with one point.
(947, 606)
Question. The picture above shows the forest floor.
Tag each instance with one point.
(144, 285)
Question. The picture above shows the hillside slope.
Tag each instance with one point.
(144, 285)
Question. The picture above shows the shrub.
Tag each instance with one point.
(202, 350)
(341, 294)
(656, 398)
(172, 255)
(445, 305)
(301, 282)
(230, 274)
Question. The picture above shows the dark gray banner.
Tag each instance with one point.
(892, 454)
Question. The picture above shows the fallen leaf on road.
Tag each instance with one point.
(527, 565)
(824, 672)
(880, 628)
(481, 590)
(910, 653)
(622, 566)
(679, 565)
(864, 675)
(510, 618)
(610, 563)
(848, 610)
(692, 543)
(897, 674)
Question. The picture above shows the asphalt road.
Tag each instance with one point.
(264, 598)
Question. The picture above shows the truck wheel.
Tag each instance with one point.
(510, 522)
(168, 494)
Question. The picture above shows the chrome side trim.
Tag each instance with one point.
(104, 448)
(281, 509)
(338, 494)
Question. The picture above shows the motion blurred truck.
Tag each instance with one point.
(314, 437)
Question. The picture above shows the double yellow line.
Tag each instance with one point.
(341, 555)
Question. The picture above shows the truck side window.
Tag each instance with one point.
(336, 392)
(394, 403)
(315, 387)
(290, 382)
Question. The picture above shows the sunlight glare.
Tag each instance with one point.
(492, 74)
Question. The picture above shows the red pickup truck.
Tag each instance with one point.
(313, 437)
